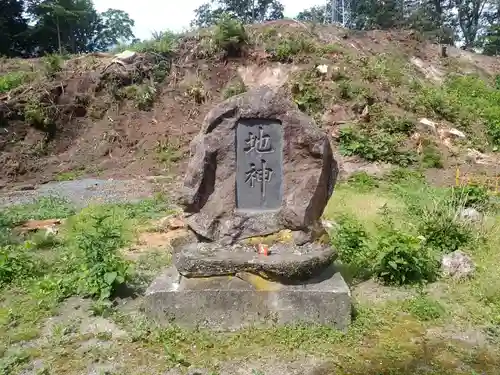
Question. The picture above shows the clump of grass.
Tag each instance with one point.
(287, 48)
(307, 94)
(197, 92)
(424, 308)
(168, 152)
(230, 35)
(362, 181)
(431, 156)
(234, 89)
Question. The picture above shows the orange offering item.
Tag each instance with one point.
(263, 249)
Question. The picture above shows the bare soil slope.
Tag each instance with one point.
(91, 115)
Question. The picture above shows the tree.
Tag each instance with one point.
(315, 14)
(13, 27)
(116, 27)
(246, 11)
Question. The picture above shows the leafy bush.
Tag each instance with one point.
(377, 146)
(431, 156)
(306, 94)
(17, 263)
(94, 238)
(12, 80)
(287, 48)
(362, 181)
(350, 240)
(230, 35)
(52, 64)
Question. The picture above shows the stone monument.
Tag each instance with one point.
(260, 175)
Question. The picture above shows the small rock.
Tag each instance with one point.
(197, 371)
(329, 224)
(323, 69)
(427, 125)
(126, 56)
(49, 226)
(457, 133)
(175, 223)
(365, 114)
(457, 265)
(471, 214)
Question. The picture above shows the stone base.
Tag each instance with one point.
(234, 302)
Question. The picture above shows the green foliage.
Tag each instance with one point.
(234, 89)
(52, 64)
(12, 80)
(351, 241)
(424, 308)
(470, 196)
(431, 156)
(306, 93)
(168, 152)
(163, 43)
(442, 228)
(287, 48)
(94, 237)
(17, 263)
(230, 35)
(403, 258)
(463, 100)
(378, 146)
(362, 181)
(145, 97)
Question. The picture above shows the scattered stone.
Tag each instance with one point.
(457, 133)
(126, 56)
(365, 114)
(427, 126)
(175, 223)
(457, 265)
(329, 224)
(323, 69)
(471, 214)
(479, 158)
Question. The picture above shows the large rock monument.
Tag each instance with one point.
(261, 173)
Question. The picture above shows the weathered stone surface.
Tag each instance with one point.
(306, 180)
(457, 265)
(285, 261)
(230, 303)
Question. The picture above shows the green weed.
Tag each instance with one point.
(230, 35)
(287, 48)
(12, 80)
(52, 64)
(234, 89)
(424, 308)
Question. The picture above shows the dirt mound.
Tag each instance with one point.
(102, 116)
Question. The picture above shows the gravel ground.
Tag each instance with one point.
(84, 192)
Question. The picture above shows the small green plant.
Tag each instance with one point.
(306, 94)
(230, 35)
(375, 146)
(36, 114)
(12, 80)
(197, 93)
(442, 228)
(288, 48)
(431, 156)
(94, 237)
(145, 97)
(351, 241)
(424, 308)
(234, 89)
(70, 175)
(474, 196)
(168, 152)
(402, 258)
(52, 64)
(17, 263)
(362, 181)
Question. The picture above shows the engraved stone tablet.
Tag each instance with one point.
(259, 165)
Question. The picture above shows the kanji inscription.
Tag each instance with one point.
(259, 164)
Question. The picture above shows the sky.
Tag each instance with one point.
(175, 15)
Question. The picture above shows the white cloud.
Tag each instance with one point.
(158, 15)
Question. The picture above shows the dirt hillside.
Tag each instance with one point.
(62, 118)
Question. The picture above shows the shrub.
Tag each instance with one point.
(431, 156)
(362, 181)
(287, 48)
(94, 237)
(52, 64)
(402, 258)
(12, 80)
(378, 146)
(230, 35)
(17, 263)
(350, 239)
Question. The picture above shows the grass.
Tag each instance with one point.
(12, 80)
(387, 336)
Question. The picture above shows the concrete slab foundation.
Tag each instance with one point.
(234, 302)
